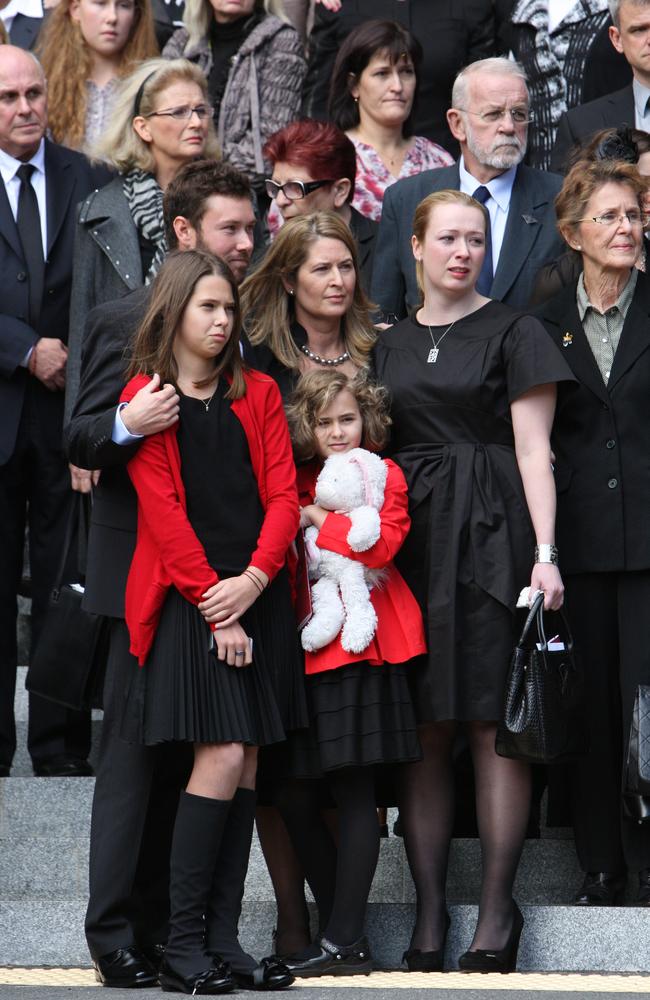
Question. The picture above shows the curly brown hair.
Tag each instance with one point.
(317, 390)
(66, 61)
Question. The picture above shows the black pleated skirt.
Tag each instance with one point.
(185, 693)
(359, 715)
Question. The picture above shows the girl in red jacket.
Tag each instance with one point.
(208, 605)
(359, 704)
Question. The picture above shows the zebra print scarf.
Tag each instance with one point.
(145, 201)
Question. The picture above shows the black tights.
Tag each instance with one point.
(339, 877)
(427, 811)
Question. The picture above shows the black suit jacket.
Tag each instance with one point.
(579, 124)
(530, 240)
(601, 440)
(24, 31)
(68, 178)
(109, 330)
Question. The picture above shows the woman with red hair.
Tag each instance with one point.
(314, 170)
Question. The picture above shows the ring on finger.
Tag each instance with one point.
(240, 652)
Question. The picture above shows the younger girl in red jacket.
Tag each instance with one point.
(208, 605)
(360, 709)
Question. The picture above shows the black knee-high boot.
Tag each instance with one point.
(198, 833)
(225, 900)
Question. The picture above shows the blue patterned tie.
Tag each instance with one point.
(485, 278)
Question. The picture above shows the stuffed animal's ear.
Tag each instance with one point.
(374, 473)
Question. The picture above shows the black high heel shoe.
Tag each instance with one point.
(505, 960)
(427, 961)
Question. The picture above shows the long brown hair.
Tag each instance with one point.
(265, 300)
(171, 290)
(66, 61)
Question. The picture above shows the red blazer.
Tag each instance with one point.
(167, 550)
(400, 630)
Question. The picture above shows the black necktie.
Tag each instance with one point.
(29, 229)
(485, 278)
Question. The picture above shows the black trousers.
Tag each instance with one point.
(609, 614)
(34, 490)
(134, 807)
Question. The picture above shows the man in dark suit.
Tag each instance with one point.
(629, 106)
(208, 205)
(40, 183)
(22, 20)
(489, 118)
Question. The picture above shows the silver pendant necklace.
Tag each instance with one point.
(330, 362)
(435, 350)
(206, 402)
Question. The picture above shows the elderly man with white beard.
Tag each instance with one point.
(489, 117)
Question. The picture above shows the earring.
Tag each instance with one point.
(290, 291)
(579, 246)
(356, 100)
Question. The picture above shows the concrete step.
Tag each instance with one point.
(555, 938)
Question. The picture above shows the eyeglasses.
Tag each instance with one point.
(185, 111)
(519, 116)
(613, 218)
(293, 190)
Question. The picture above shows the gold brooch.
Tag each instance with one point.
(567, 340)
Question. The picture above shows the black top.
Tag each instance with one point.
(225, 42)
(223, 502)
(452, 436)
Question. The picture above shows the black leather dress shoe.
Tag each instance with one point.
(270, 974)
(216, 978)
(333, 960)
(63, 767)
(154, 954)
(643, 895)
(601, 889)
(5, 770)
(125, 969)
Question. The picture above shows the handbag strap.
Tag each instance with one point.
(73, 516)
(536, 613)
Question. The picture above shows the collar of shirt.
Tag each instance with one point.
(500, 187)
(30, 8)
(622, 303)
(9, 166)
(641, 97)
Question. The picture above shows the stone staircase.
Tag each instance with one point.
(44, 824)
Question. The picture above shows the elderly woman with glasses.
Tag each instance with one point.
(601, 439)
(161, 120)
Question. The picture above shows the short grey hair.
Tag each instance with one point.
(615, 8)
(496, 66)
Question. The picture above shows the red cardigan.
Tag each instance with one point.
(167, 551)
(400, 630)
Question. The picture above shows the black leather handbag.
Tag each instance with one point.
(544, 717)
(636, 784)
(69, 661)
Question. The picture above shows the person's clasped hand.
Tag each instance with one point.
(225, 602)
(154, 408)
(47, 362)
(233, 645)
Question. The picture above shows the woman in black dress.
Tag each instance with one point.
(208, 605)
(473, 396)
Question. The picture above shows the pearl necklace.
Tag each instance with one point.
(329, 362)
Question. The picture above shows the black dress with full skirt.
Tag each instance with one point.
(184, 692)
(470, 548)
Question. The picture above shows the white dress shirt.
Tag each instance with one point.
(641, 110)
(8, 171)
(498, 204)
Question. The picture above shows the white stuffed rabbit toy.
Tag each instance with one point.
(353, 484)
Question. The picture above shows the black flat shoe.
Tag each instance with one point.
(601, 889)
(62, 767)
(215, 979)
(126, 969)
(270, 974)
(427, 961)
(332, 960)
(643, 893)
(484, 960)
(5, 770)
(154, 954)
